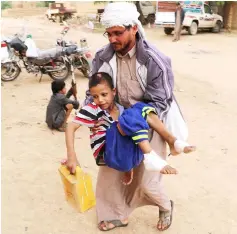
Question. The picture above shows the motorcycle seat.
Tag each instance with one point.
(72, 49)
(50, 53)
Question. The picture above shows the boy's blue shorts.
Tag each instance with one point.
(122, 152)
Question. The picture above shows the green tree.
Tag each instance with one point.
(228, 12)
(5, 5)
(43, 3)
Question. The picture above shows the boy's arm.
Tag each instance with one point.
(86, 116)
(64, 101)
(72, 161)
(72, 91)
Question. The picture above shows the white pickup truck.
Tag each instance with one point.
(198, 15)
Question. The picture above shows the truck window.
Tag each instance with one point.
(207, 9)
(58, 5)
(193, 7)
(146, 3)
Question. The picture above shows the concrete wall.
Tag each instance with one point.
(23, 4)
(21, 12)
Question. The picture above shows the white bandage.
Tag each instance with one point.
(122, 14)
(154, 162)
(180, 145)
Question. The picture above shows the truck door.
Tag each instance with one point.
(208, 17)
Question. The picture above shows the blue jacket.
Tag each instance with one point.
(122, 152)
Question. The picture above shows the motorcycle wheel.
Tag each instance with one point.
(86, 67)
(60, 75)
(9, 71)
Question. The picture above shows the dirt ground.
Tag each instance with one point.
(205, 190)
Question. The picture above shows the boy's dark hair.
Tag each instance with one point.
(99, 78)
(57, 85)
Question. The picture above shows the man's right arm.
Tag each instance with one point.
(159, 90)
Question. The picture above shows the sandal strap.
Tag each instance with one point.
(116, 223)
(167, 216)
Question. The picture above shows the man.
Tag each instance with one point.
(140, 73)
(179, 18)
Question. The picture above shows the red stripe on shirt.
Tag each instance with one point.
(97, 133)
(98, 150)
(92, 106)
(85, 120)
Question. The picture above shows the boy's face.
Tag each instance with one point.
(63, 91)
(103, 95)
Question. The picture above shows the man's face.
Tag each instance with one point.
(121, 38)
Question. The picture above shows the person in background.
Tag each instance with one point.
(60, 106)
(179, 18)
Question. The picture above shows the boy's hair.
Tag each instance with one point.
(99, 78)
(57, 85)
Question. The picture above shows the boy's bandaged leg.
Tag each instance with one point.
(154, 162)
(182, 146)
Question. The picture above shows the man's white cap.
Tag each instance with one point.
(122, 14)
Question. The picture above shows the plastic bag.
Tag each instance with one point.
(78, 188)
(175, 123)
(32, 51)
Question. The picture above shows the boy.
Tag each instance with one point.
(60, 106)
(109, 146)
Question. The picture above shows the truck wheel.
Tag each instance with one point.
(168, 31)
(192, 30)
(151, 19)
(217, 27)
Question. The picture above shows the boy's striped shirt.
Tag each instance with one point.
(88, 116)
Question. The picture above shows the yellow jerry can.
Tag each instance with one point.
(78, 188)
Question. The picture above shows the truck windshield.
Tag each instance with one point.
(207, 9)
(193, 6)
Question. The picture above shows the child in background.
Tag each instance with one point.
(60, 106)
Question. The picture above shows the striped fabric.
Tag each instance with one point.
(88, 116)
(146, 110)
(140, 136)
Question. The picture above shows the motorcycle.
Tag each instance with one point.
(10, 69)
(52, 61)
(82, 59)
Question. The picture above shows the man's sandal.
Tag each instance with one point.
(106, 225)
(166, 217)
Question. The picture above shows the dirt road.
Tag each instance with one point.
(204, 192)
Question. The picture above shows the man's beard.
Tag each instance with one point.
(125, 47)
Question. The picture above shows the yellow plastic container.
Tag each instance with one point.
(78, 188)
